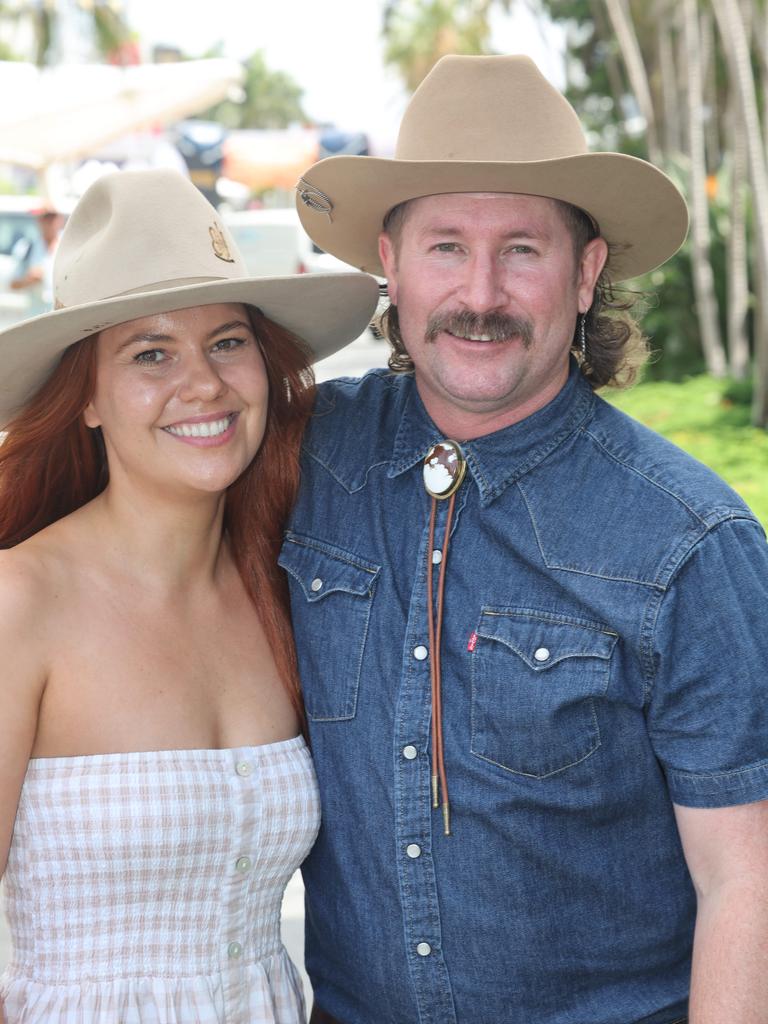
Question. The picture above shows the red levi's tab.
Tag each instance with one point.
(472, 642)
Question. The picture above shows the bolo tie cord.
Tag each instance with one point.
(439, 779)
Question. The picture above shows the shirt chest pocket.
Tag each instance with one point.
(535, 684)
(331, 598)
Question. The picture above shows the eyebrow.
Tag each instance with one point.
(153, 338)
(452, 232)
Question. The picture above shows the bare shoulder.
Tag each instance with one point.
(33, 581)
(25, 586)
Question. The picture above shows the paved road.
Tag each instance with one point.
(352, 361)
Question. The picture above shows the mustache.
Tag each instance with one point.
(496, 326)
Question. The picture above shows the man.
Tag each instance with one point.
(535, 672)
(34, 263)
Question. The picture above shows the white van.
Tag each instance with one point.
(272, 242)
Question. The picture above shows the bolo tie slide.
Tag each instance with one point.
(444, 469)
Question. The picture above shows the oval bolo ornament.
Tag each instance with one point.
(444, 469)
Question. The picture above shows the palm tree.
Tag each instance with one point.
(703, 276)
(737, 52)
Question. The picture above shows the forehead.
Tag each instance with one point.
(501, 209)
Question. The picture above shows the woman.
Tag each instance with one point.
(155, 790)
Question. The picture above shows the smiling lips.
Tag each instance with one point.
(205, 432)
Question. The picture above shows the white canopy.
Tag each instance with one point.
(70, 111)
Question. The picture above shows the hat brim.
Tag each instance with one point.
(639, 211)
(327, 311)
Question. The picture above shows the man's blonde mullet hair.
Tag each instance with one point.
(616, 348)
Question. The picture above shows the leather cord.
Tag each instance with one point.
(435, 628)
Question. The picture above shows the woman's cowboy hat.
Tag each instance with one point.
(493, 124)
(145, 242)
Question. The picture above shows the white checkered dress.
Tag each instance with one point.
(145, 888)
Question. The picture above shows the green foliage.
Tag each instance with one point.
(417, 33)
(710, 420)
(272, 99)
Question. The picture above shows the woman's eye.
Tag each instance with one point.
(149, 357)
(228, 344)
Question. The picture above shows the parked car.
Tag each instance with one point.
(272, 242)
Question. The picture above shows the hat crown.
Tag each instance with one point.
(182, 239)
(488, 109)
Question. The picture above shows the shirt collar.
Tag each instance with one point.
(496, 460)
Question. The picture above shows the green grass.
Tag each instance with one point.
(698, 416)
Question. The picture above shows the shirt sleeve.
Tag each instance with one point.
(708, 708)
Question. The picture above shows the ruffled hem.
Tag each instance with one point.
(268, 992)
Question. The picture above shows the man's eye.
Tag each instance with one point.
(149, 357)
(446, 247)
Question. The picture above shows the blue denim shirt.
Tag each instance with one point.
(562, 896)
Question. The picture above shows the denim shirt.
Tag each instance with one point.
(562, 896)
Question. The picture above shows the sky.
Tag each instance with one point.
(332, 48)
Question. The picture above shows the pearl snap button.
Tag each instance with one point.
(542, 654)
(420, 652)
(243, 864)
(423, 949)
(437, 557)
(413, 850)
(316, 584)
(410, 752)
(243, 768)
(234, 950)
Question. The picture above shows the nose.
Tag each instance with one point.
(483, 285)
(200, 380)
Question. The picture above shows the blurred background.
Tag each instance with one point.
(244, 96)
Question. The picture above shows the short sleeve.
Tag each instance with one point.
(708, 709)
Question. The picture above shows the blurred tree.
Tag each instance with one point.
(109, 30)
(417, 33)
(272, 99)
(673, 100)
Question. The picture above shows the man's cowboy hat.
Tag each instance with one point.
(145, 242)
(493, 124)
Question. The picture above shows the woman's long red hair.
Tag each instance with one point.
(51, 464)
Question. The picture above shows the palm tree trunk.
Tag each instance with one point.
(621, 20)
(673, 142)
(703, 277)
(737, 283)
(734, 37)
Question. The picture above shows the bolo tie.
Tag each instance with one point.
(444, 468)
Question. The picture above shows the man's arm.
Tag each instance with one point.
(726, 850)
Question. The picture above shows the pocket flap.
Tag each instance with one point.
(321, 568)
(542, 640)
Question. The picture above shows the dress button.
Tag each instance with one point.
(234, 951)
(410, 752)
(244, 768)
(542, 654)
(413, 850)
(316, 584)
(420, 652)
(423, 949)
(437, 556)
(243, 864)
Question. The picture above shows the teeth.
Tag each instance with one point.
(210, 429)
(475, 337)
